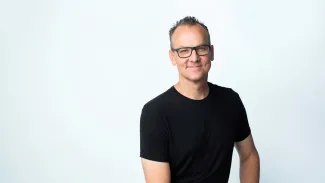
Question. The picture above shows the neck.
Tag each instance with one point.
(193, 90)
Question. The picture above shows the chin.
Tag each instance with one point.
(196, 78)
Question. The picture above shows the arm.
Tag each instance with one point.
(248, 155)
(154, 151)
(156, 172)
(249, 161)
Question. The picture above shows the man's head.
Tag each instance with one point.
(191, 49)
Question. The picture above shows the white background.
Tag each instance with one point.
(74, 76)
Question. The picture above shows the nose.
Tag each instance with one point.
(194, 56)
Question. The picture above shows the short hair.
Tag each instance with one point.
(188, 20)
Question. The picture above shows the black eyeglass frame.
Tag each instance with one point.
(193, 48)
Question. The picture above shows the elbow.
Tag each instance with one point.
(252, 157)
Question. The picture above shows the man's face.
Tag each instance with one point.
(194, 67)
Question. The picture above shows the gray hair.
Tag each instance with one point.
(188, 20)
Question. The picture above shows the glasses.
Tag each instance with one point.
(186, 52)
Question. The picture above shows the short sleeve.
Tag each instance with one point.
(153, 135)
(242, 125)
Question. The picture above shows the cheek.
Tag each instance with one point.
(181, 63)
(206, 62)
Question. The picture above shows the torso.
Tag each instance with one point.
(201, 135)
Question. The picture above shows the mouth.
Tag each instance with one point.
(195, 66)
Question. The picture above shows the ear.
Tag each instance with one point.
(212, 53)
(172, 57)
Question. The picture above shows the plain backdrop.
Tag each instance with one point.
(74, 76)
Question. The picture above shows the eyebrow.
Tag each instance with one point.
(192, 46)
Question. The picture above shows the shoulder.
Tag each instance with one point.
(227, 97)
(224, 92)
(159, 102)
(152, 118)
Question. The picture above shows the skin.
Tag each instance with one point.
(193, 77)
(193, 71)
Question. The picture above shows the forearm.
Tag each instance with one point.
(250, 169)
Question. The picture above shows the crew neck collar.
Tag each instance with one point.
(192, 100)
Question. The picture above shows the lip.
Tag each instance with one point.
(196, 66)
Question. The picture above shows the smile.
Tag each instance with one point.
(197, 66)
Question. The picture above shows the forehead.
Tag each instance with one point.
(189, 35)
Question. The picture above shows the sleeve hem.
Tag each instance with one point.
(243, 137)
(157, 159)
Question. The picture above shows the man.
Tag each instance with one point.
(188, 133)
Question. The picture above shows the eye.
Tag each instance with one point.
(202, 48)
(183, 50)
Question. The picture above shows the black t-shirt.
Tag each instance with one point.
(196, 137)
